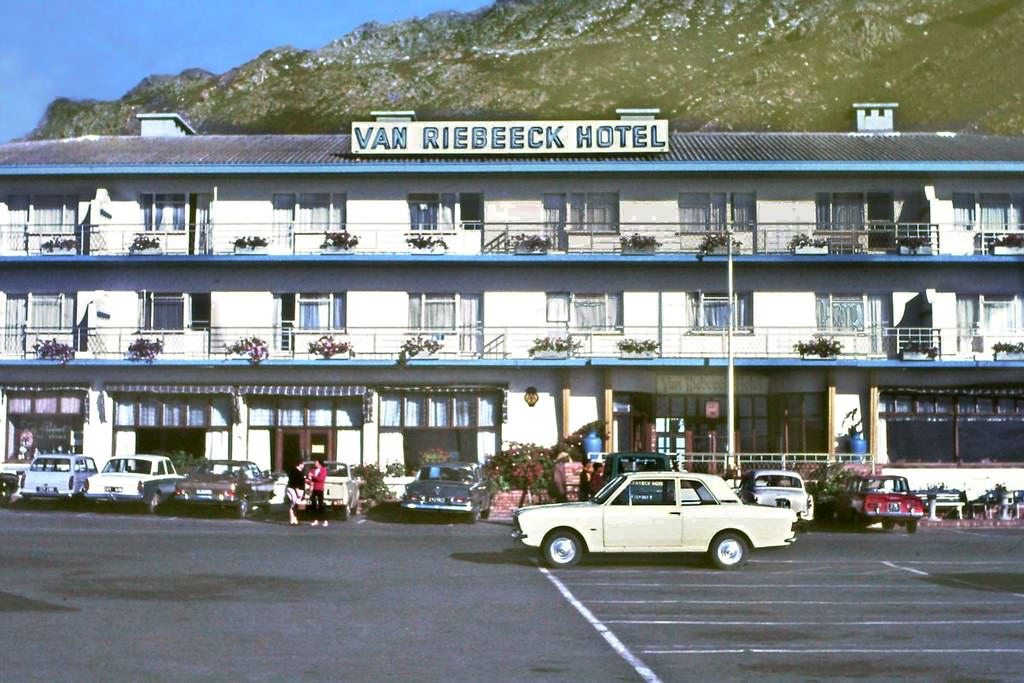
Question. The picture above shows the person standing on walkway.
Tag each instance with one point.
(317, 477)
(295, 491)
(584, 491)
(559, 478)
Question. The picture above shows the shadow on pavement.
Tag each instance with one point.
(982, 581)
(393, 513)
(523, 557)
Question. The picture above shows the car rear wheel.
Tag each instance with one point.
(912, 526)
(888, 524)
(728, 551)
(561, 549)
(474, 516)
(243, 508)
(486, 513)
(153, 502)
(343, 513)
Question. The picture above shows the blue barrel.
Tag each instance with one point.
(592, 443)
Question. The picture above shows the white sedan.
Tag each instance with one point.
(653, 512)
(146, 479)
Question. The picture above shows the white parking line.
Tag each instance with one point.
(868, 622)
(971, 584)
(645, 672)
(729, 586)
(963, 603)
(838, 650)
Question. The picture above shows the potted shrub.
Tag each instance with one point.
(639, 244)
(855, 441)
(51, 349)
(1006, 351)
(144, 244)
(338, 242)
(327, 348)
(253, 348)
(418, 347)
(531, 244)
(253, 244)
(804, 244)
(919, 350)
(820, 346)
(145, 349)
(917, 246)
(717, 243)
(550, 348)
(60, 246)
(638, 348)
(1012, 243)
(427, 244)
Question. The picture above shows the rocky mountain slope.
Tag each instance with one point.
(708, 64)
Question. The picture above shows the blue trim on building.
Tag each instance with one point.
(526, 167)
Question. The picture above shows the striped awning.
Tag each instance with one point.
(170, 389)
(303, 390)
(43, 387)
(446, 389)
(1007, 391)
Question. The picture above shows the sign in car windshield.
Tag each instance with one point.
(456, 138)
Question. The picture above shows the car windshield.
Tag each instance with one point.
(438, 473)
(50, 465)
(606, 490)
(228, 469)
(639, 463)
(129, 465)
(777, 481)
(891, 485)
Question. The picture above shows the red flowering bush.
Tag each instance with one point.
(522, 466)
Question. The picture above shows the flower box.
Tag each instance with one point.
(146, 251)
(1008, 355)
(639, 251)
(67, 251)
(916, 355)
(250, 250)
(550, 355)
(335, 250)
(639, 244)
(809, 250)
(637, 355)
(914, 251)
(1007, 251)
(529, 249)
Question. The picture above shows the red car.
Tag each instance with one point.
(885, 499)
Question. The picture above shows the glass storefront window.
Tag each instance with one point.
(320, 413)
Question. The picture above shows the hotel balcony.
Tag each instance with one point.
(772, 344)
(757, 239)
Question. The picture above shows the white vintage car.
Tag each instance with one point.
(655, 512)
(778, 488)
(341, 489)
(146, 479)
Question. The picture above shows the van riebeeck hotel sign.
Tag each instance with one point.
(510, 137)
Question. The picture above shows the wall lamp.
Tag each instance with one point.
(531, 396)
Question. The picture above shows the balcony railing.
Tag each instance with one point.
(515, 343)
(921, 239)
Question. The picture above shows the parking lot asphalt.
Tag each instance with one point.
(88, 595)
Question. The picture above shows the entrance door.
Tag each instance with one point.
(298, 445)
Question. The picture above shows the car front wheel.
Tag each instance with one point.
(728, 551)
(243, 508)
(912, 526)
(561, 549)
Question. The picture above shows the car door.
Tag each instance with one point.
(703, 516)
(644, 515)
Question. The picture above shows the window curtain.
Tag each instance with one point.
(693, 211)
(717, 211)
(823, 211)
(963, 210)
(314, 312)
(715, 312)
(284, 215)
(339, 217)
(439, 411)
(14, 321)
(290, 414)
(314, 212)
(320, 413)
(414, 412)
(168, 313)
(17, 210)
(967, 319)
(603, 212)
(744, 211)
(471, 323)
(439, 312)
(48, 216)
(589, 312)
(124, 413)
(848, 211)
(878, 318)
(744, 310)
(558, 308)
(338, 321)
(995, 211)
(447, 212)
(422, 212)
(999, 314)
(464, 411)
(46, 312)
(391, 411)
(554, 211)
(488, 416)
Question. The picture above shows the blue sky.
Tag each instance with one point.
(100, 50)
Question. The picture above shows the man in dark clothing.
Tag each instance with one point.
(294, 492)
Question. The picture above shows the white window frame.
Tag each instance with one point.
(989, 302)
(65, 302)
(149, 299)
(421, 299)
(702, 299)
(331, 298)
(165, 201)
(337, 210)
(571, 321)
(833, 300)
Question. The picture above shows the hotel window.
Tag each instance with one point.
(710, 211)
(594, 211)
(989, 313)
(997, 211)
(839, 211)
(309, 212)
(163, 212)
(710, 311)
(48, 213)
(445, 312)
(174, 311)
(317, 311)
(40, 311)
(585, 311)
(851, 312)
(430, 212)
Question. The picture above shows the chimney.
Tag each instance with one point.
(638, 114)
(393, 116)
(875, 117)
(163, 125)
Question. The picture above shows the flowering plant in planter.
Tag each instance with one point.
(531, 243)
(566, 345)
(803, 240)
(250, 242)
(522, 466)
(426, 242)
(51, 349)
(716, 240)
(914, 242)
(921, 347)
(1005, 347)
(339, 240)
(636, 241)
(821, 346)
(144, 242)
(60, 244)
(640, 346)
(418, 346)
(327, 347)
(145, 349)
(252, 347)
(1013, 240)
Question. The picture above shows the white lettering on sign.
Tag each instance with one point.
(510, 137)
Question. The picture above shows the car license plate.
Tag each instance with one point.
(894, 507)
(46, 489)
(112, 489)
(436, 500)
(204, 492)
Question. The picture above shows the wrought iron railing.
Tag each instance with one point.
(491, 342)
(760, 238)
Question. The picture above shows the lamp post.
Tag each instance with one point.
(731, 460)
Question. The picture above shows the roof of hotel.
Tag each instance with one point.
(737, 151)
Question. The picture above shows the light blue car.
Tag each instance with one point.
(56, 476)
